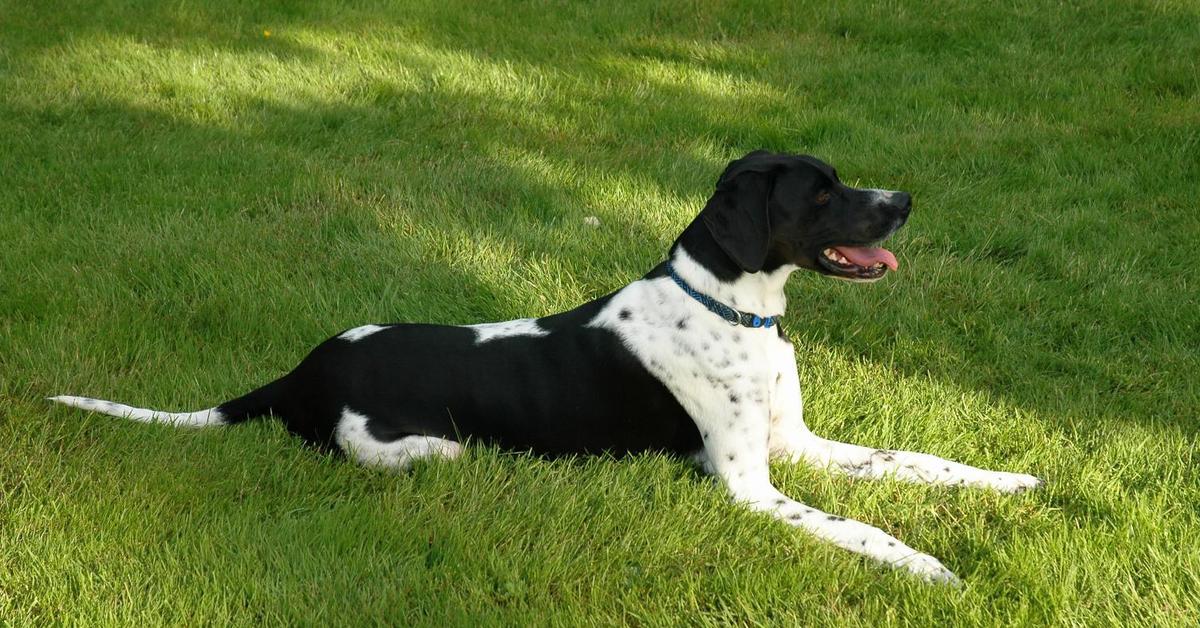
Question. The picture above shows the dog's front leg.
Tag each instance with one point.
(911, 466)
(736, 452)
(791, 440)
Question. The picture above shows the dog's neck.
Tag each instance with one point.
(701, 263)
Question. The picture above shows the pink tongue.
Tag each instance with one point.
(868, 256)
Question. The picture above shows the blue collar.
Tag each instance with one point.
(731, 316)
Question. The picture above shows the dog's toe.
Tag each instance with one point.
(930, 569)
(1015, 482)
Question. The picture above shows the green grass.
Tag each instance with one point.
(188, 205)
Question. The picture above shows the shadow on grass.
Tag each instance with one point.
(513, 168)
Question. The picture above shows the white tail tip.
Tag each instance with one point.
(202, 418)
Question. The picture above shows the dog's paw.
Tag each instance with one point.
(929, 569)
(1014, 482)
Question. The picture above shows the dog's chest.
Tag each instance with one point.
(717, 371)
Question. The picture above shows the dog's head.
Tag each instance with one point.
(773, 209)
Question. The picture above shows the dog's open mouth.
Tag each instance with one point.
(858, 262)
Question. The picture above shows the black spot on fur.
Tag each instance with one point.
(705, 346)
(780, 502)
(625, 314)
(704, 436)
(835, 518)
(891, 544)
(681, 323)
(794, 516)
(946, 469)
(731, 457)
(733, 398)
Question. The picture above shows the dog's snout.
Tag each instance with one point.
(903, 202)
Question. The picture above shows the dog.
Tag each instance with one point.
(690, 359)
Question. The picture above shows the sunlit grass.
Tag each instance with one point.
(188, 205)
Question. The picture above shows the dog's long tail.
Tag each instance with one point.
(253, 404)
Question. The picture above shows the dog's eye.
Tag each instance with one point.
(823, 197)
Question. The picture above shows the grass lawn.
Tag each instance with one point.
(195, 193)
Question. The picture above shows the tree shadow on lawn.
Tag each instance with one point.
(397, 158)
(307, 217)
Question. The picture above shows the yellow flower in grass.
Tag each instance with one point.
(267, 34)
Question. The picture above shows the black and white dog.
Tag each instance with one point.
(689, 359)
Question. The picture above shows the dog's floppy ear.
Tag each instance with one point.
(737, 214)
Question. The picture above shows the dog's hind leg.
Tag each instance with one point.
(356, 440)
